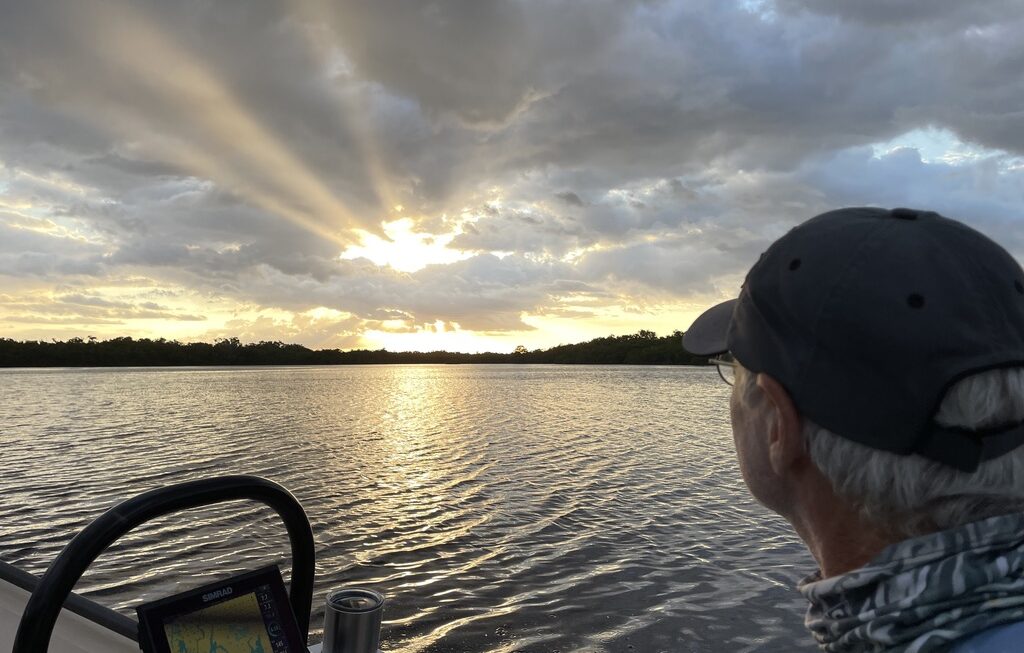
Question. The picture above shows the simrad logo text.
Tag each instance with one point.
(216, 594)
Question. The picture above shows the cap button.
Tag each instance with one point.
(904, 214)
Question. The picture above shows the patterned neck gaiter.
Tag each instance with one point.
(921, 594)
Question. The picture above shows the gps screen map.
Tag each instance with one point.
(235, 626)
(249, 613)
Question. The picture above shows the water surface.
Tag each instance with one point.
(500, 508)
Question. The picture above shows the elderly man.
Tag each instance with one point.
(878, 405)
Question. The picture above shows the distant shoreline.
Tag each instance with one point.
(642, 348)
(256, 366)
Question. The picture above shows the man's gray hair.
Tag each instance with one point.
(912, 495)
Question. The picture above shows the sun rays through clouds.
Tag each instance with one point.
(471, 176)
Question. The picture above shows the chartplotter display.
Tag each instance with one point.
(249, 613)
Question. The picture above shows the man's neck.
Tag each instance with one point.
(835, 533)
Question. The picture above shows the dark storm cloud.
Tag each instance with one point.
(624, 148)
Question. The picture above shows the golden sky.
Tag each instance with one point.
(469, 177)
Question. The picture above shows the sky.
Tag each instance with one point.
(471, 175)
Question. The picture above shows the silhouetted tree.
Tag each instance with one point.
(641, 348)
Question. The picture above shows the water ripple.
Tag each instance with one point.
(500, 508)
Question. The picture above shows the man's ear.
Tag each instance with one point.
(785, 438)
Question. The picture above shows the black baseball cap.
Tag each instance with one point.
(867, 316)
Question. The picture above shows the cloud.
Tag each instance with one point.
(942, 15)
(317, 332)
(580, 161)
(76, 308)
(570, 198)
(32, 252)
(484, 293)
(986, 193)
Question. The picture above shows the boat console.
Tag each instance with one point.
(247, 612)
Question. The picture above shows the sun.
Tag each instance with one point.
(407, 250)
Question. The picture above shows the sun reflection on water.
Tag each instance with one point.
(499, 508)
